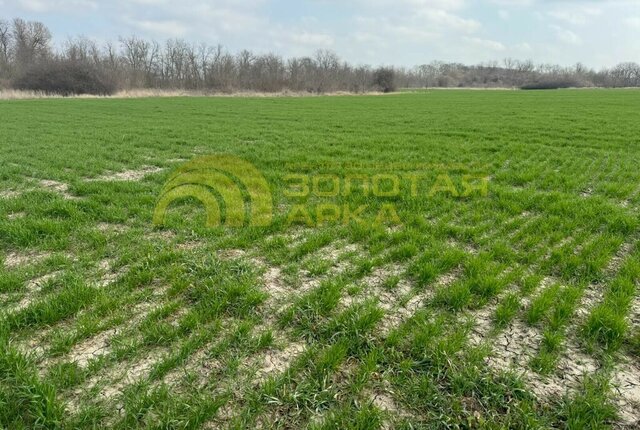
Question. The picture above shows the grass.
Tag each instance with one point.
(109, 321)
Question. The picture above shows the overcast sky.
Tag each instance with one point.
(400, 32)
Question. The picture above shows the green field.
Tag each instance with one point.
(515, 309)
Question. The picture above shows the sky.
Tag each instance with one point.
(392, 32)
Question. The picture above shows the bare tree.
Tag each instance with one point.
(626, 75)
(135, 62)
(361, 79)
(5, 39)
(81, 50)
(327, 64)
(142, 59)
(31, 42)
(384, 78)
(246, 61)
(5, 47)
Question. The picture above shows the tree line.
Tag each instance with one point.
(29, 61)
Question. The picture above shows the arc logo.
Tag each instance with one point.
(233, 191)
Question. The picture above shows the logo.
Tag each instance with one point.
(236, 194)
(233, 192)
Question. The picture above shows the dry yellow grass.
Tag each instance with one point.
(10, 94)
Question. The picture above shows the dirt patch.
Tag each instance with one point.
(448, 279)
(92, 348)
(415, 303)
(58, 187)
(128, 175)
(100, 344)
(626, 377)
(383, 399)
(107, 273)
(273, 282)
(33, 287)
(277, 361)
(594, 293)
(388, 299)
(483, 322)
(16, 259)
(573, 366)
(514, 347)
(373, 286)
(189, 246)
(626, 382)
(294, 236)
(401, 313)
(9, 194)
(131, 372)
(36, 344)
(232, 254)
(336, 254)
(634, 314)
(105, 227)
(385, 402)
(200, 364)
(16, 215)
(376, 279)
(466, 247)
(111, 382)
(518, 342)
(397, 314)
(587, 192)
(616, 262)
(36, 284)
(161, 235)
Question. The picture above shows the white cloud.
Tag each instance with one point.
(375, 30)
(415, 5)
(524, 47)
(229, 19)
(444, 19)
(566, 36)
(404, 32)
(162, 28)
(513, 2)
(150, 2)
(410, 32)
(43, 6)
(486, 44)
(364, 37)
(575, 16)
(313, 39)
(633, 22)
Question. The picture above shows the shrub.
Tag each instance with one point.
(384, 78)
(552, 84)
(64, 78)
